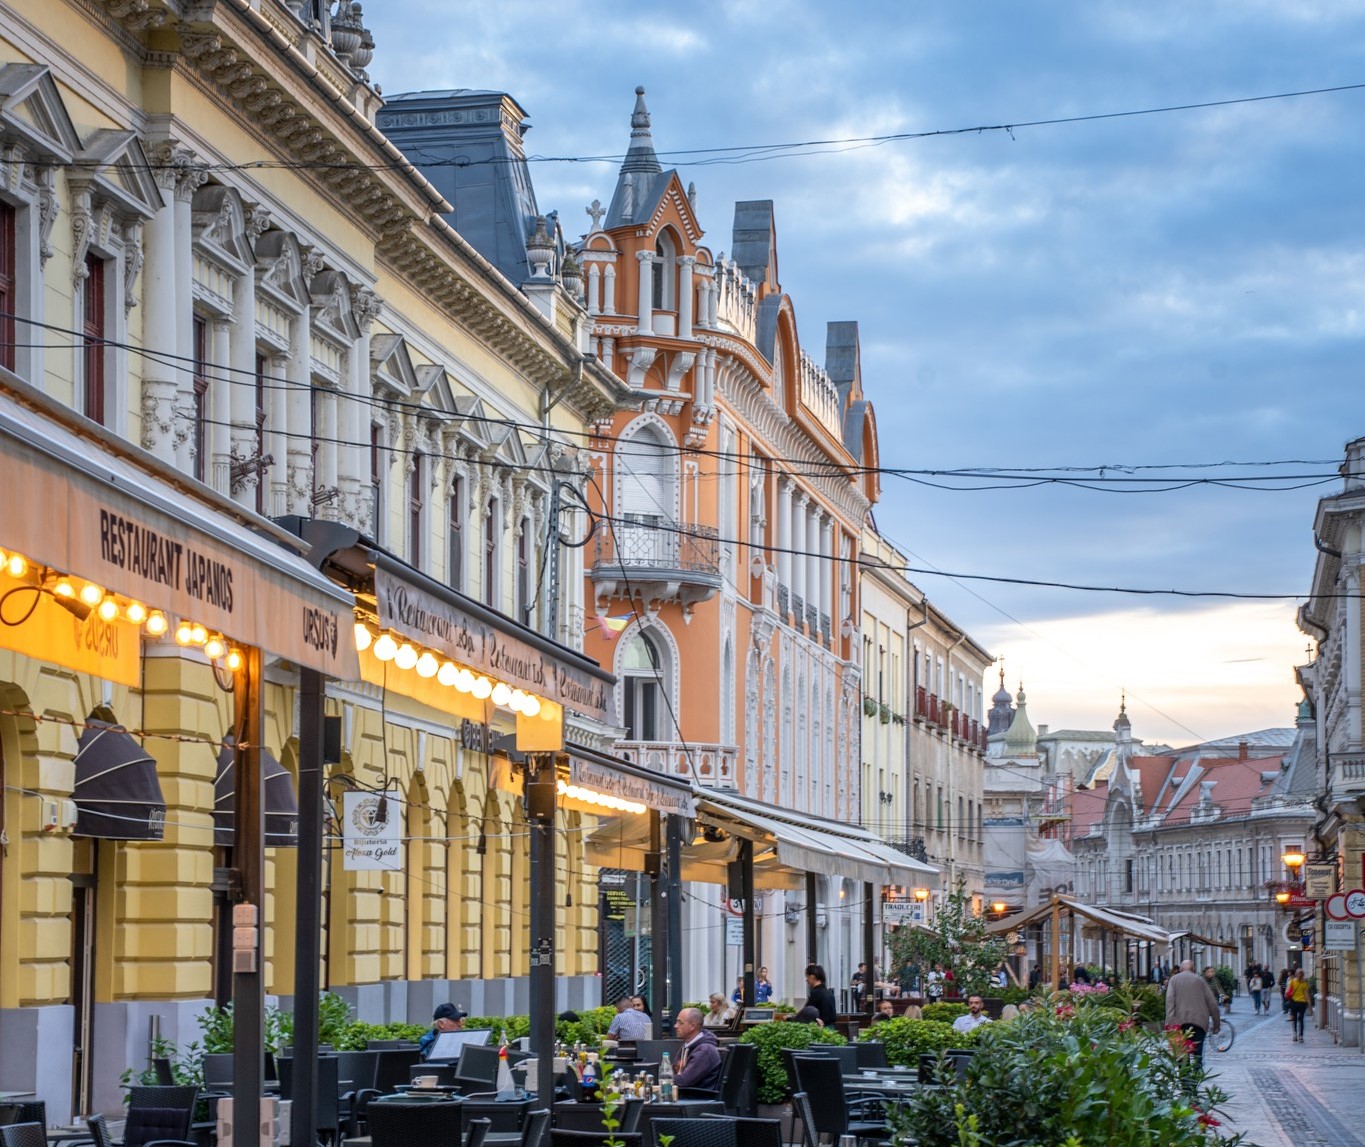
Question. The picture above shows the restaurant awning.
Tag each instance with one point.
(281, 802)
(117, 793)
(141, 529)
(1203, 941)
(1112, 920)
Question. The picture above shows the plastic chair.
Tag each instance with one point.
(403, 1124)
(23, 1135)
(695, 1132)
(836, 1112)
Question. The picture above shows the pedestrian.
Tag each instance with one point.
(763, 987)
(1296, 994)
(819, 996)
(908, 977)
(1193, 1007)
(1284, 999)
(859, 986)
(446, 1018)
(1254, 986)
(934, 984)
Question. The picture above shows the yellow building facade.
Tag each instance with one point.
(215, 267)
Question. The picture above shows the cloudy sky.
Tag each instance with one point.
(1169, 290)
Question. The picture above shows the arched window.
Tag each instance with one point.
(642, 703)
(665, 273)
(646, 473)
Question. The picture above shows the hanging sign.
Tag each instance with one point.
(371, 833)
(1319, 881)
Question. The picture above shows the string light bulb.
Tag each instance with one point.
(363, 637)
(464, 681)
(184, 633)
(406, 657)
(427, 665)
(482, 688)
(531, 706)
(385, 647)
(447, 673)
(108, 609)
(198, 634)
(214, 647)
(63, 587)
(136, 612)
(157, 623)
(92, 594)
(517, 701)
(234, 660)
(502, 694)
(17, 565)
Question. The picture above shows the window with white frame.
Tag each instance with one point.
(492, 555)
(416, 518)
(455, 534)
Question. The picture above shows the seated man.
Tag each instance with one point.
(975, 1016)
(885, 1011)
(446, 1018)
(628, 1023)
(699, 1061)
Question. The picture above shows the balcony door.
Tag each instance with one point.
(647, 498)
(643, 711)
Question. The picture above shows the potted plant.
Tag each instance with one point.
(773, 1084)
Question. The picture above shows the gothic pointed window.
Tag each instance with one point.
(665, 273)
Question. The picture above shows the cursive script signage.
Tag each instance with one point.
(371, 833)
(627, 786)
(468, 638)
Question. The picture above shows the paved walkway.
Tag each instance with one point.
(1286, 1094)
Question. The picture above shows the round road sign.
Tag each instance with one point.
(1335, 906)
(1355, 903)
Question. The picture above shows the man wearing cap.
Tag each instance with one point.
(446, 1018)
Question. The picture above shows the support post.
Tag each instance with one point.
(248, 986)
(869, 947)
(308, 911)
(658, 925)
(675, 963)
(812, 933)
(746, 884)
(540, 816)
(1056, 954)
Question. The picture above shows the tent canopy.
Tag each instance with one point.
(117, 793)
(1109, 919)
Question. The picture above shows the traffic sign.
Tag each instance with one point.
(734, 907)
(1355, 903)
(1335, 906)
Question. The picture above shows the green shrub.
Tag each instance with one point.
(906, 1040)
(357, 1036)
(1086, 1077)
(1014, 996)
(943, 1013)
(770, 1039)
(1227, 980)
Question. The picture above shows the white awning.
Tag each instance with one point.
(1138, 927)
(86, 503)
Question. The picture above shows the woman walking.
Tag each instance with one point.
(1255, 986)
(1296, 993)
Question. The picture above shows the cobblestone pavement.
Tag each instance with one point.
(1286, 1094)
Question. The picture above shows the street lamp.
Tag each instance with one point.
(1293, 860)
(921, 894)
(1282, 897)
(999, 907)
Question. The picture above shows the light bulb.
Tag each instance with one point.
(427, 665)
(214, 648)
(157, 623)
(464, 681)
(136, 612)
(91, 593)
(482, 688)
(447, 673)
(531, 706)
(517, 702)
(501, 695)
(406, 657)
(108, 609)
(64, 588)
(17, 566)
(385, 647)
(363, 636)
(234, 659)
(184, 633)
(198, 634)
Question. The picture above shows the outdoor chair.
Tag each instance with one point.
(836, 1111)
(505, 1116)
(477, 1133)
(150, 1095)
(98, 1127)
(846, 1056)
(405, 1124)
(358, 1068)
(25, 1111)
(560, 1138)
(536, 1130)
(218, 1072)
(751, 1132)
(160, 1125)
(737, 1079)
(23, 1135)
(652, 1050)
(328, 1111)
(394, 1066)
(871, 1055)
(161, 1067)
(935, 1068)
(695, 1132)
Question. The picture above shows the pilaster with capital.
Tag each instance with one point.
(646, 292)
(686, 295)
(160, 368)
(800, 501)
(217, 436)
(784, 533)
(189, 177)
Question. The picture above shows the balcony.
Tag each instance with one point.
(656, 562)
(715, 764)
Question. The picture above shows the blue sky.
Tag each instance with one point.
(1176, 288)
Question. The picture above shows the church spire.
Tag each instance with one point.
(640, 156)
(634, 194)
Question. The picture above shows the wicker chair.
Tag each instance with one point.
(477, 1133)
(562, 1138)
(751, 1132)
(695, 1132)
(822, 1080)
(403, 1124)
(161, 1125)
(536, 1130)
(23, 1135)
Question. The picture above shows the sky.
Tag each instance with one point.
(1168, 290)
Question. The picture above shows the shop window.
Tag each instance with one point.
(95, 345)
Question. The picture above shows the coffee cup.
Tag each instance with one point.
(428, 1082)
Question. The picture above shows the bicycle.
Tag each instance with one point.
(1222, 1039)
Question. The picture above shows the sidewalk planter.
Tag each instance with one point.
(784, 1114)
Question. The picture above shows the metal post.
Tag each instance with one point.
(869, 947)
(746, 885)
(1056, 944)
(675, 963)
(308, 911)
(540, 815)
(658, 926)
(248, 987)
(812, 933)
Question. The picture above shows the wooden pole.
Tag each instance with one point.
(1056, 941)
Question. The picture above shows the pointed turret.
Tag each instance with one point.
(639, 170)
(1123, 728)
(1022, 739)
(1002, 709)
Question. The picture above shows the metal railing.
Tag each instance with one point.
(663, 546)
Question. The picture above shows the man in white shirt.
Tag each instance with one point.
(974, 1018)
(628, 1023)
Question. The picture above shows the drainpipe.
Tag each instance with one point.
(909, 718)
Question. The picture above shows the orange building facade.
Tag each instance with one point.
(723, 571)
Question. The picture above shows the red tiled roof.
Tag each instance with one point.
(1087, 808)
(1235, 784)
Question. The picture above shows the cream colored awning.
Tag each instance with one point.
(1137, 927)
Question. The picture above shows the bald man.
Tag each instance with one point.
(1191, 1003)
(699, 1060)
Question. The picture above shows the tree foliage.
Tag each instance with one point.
(957, 939)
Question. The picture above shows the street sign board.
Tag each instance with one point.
(1355, 903)
(897, 912)
(1297, 900)
(1339, 935)
(734, 930)
(1335, 906)
(1319, 880)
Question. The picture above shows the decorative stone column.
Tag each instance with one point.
(160, 380)
(646, 293)
(594, 289)
(245, 445)
(813, 581)
(784, 542)
(276, 443)
(827, 570)
(799, 562)
(356, 431)
(189, 179)
(218, 471)
(299, 421)
(686, 293)
(609, 289)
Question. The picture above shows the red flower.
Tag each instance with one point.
(1207, 1120)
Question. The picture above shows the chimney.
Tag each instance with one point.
(1243, 750)
(1042, 730)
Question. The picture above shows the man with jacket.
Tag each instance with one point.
(699, 1061)
(1191, 1004)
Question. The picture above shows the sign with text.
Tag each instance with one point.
(109, 650)
(371, 832)
(897, 912)
(734, 930)
(1319, 881)
(464, 636)
(1339, 935)
(627, 786)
